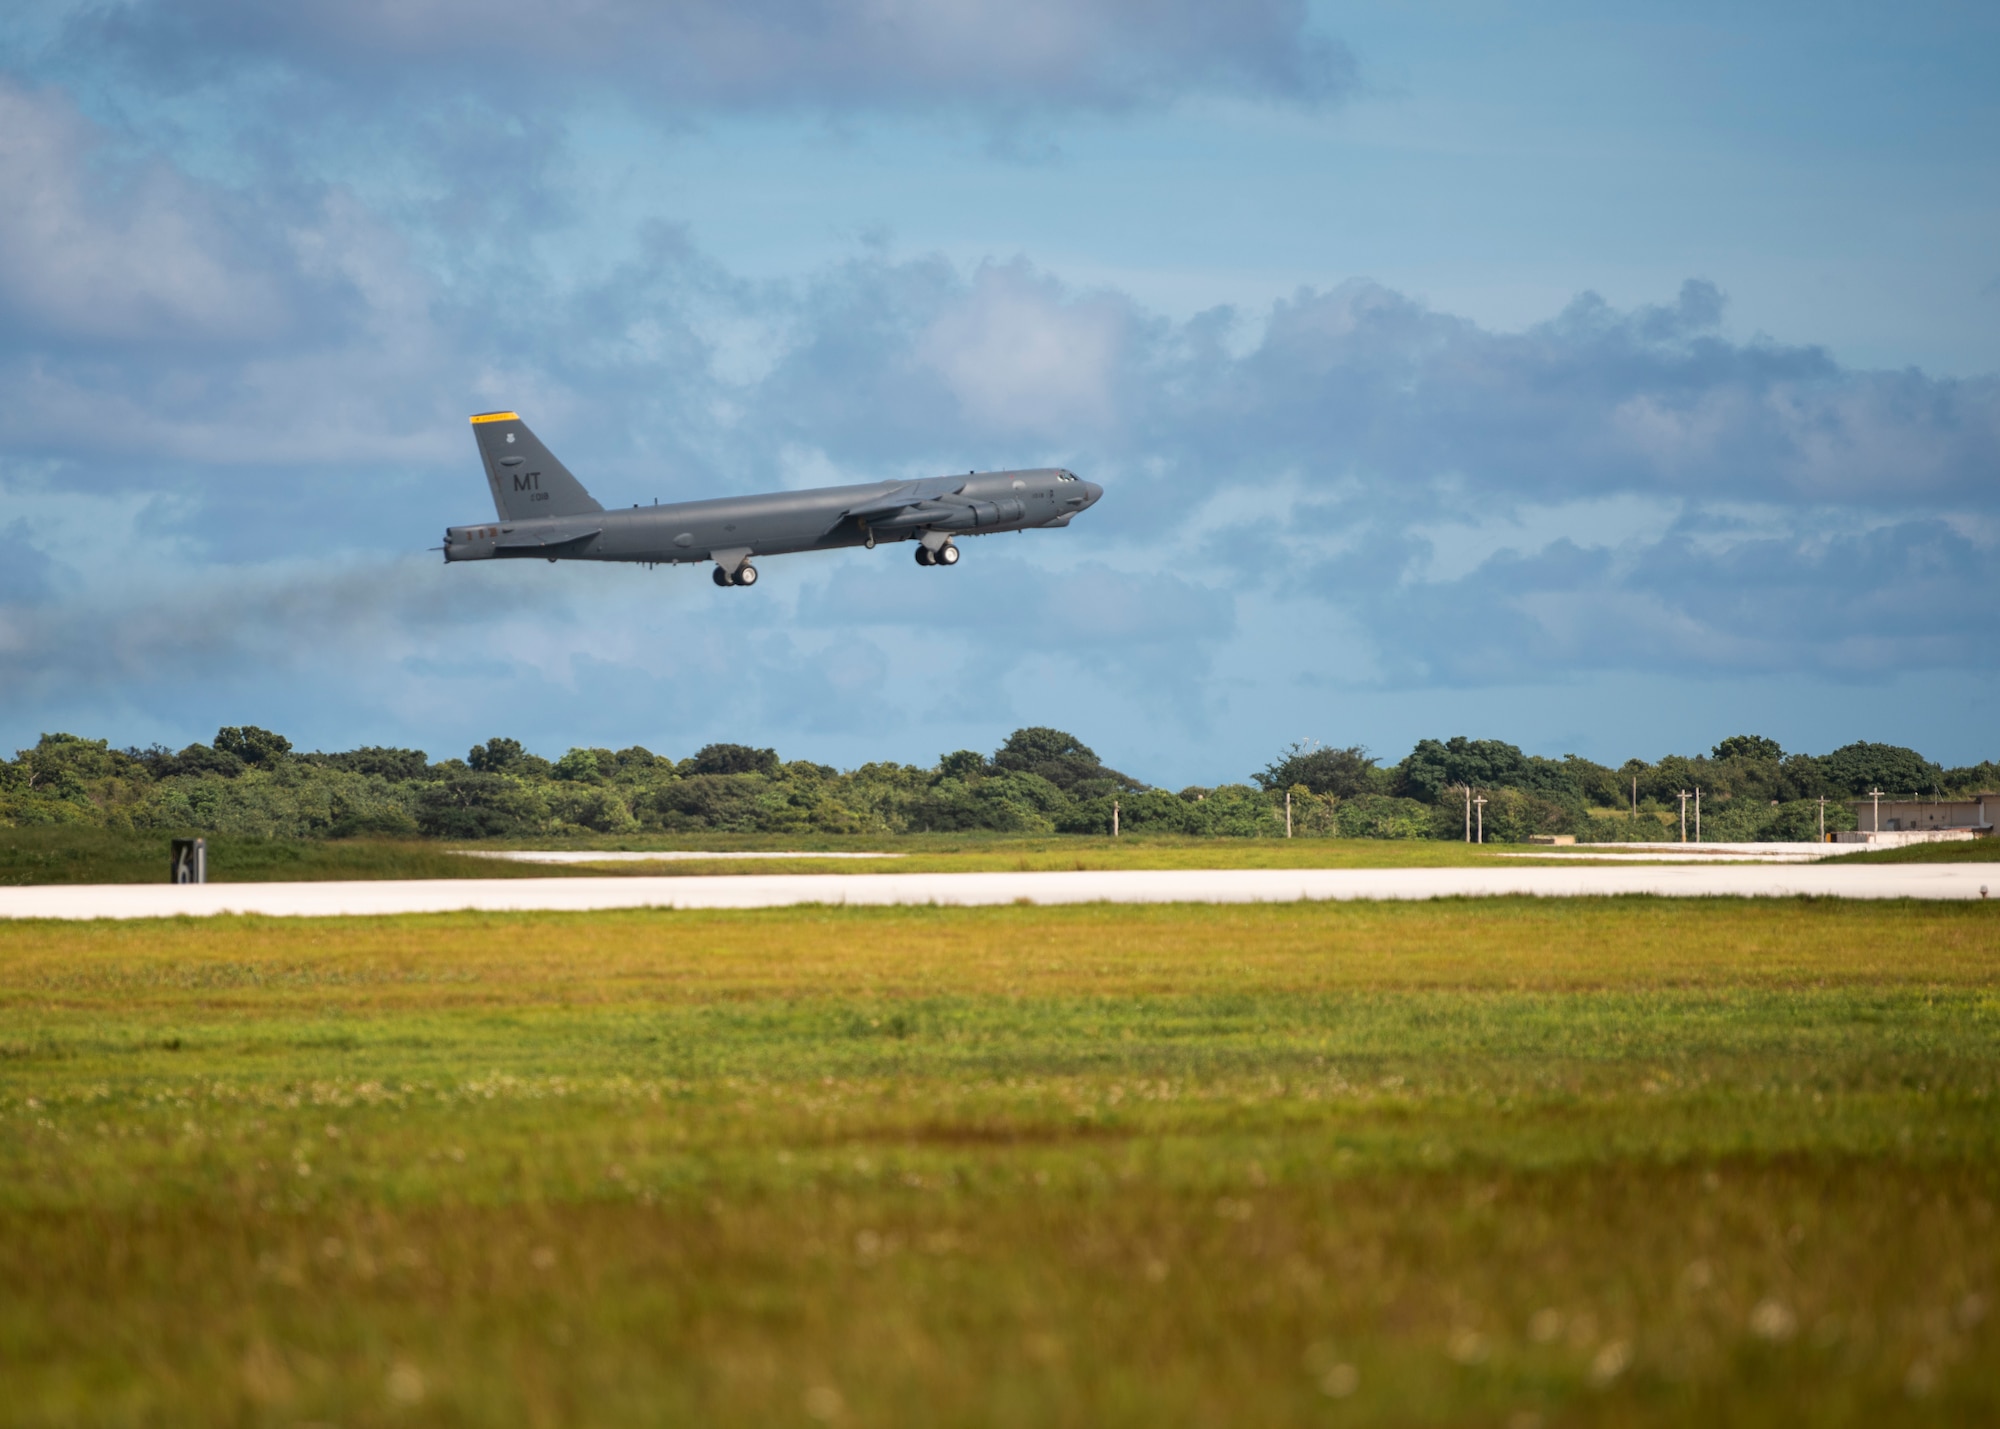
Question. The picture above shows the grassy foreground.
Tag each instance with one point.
(1500, 1162)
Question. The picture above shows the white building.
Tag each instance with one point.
(1912, 820)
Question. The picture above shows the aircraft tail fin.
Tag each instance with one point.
(526, 478)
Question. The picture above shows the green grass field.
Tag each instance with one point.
(1986, 850)
(89, 855)
(1500, 1162)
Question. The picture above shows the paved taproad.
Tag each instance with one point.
(315, 900)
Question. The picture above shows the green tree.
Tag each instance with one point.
(1595, 783)
(1434, 766)
(1798, 820)
(1854, 769)
(198, 760)
(479, 805)
(583, 766)
(1983, 778)
(496, 756)
(398, 765)
(258, 748)
(734, 759)
(1320, 769)
(1062, 759)
(961, 764)
(1748, 746)
(63, 765)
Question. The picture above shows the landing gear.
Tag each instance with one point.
(746, 574)
(944, 555)
(721, 576)
(924, 556)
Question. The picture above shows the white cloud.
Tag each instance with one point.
(1009, 56)
(95, 251)
(1023, 357)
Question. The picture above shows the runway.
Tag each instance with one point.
(319, 900)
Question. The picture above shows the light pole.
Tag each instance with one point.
(1684, 797)
(1697, 813)
(1468, 811)
(1288, 813)
(1875, 820)
(1822, 818)
(1480, 804)
(1114, 818)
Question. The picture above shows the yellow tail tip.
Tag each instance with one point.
(497, 417)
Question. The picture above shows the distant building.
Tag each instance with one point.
(1973, 815)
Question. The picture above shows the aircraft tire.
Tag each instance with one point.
(721, 576)
(947, 555)
(746, 574)
(924, 556)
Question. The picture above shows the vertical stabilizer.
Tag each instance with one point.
(526, 478)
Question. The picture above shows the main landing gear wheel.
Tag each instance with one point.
(746, 575)
(924, 556)
(947, 555)
(721, 576)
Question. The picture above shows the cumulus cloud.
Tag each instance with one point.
(1363, 379)
(1004, 56)
(138, 254)
(1857, 605)
(1020, 356)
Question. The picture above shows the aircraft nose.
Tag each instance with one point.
(1092, 491)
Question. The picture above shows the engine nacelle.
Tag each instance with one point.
(981, 513)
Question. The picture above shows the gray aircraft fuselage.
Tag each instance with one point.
(545, 513)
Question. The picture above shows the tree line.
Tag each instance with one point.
(251, 781)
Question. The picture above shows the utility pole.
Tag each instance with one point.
(1468, 811)
(1114, 818)
(1635, 798)
(1480, 804)
(1822, 818)
(1697, 813)
(1684, 797)
(1288, 813)
(1875, 823)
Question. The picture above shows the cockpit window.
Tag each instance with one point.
(1065, 476)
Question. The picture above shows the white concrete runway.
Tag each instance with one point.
(313, 900)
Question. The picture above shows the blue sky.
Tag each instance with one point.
(1597, 379)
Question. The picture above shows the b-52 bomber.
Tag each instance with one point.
(545, 513)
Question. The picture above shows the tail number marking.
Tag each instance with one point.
(530, 481)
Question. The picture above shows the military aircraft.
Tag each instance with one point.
(544, 512)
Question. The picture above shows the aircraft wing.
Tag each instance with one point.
(927, 493)
(887, 504)
(922, 513)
